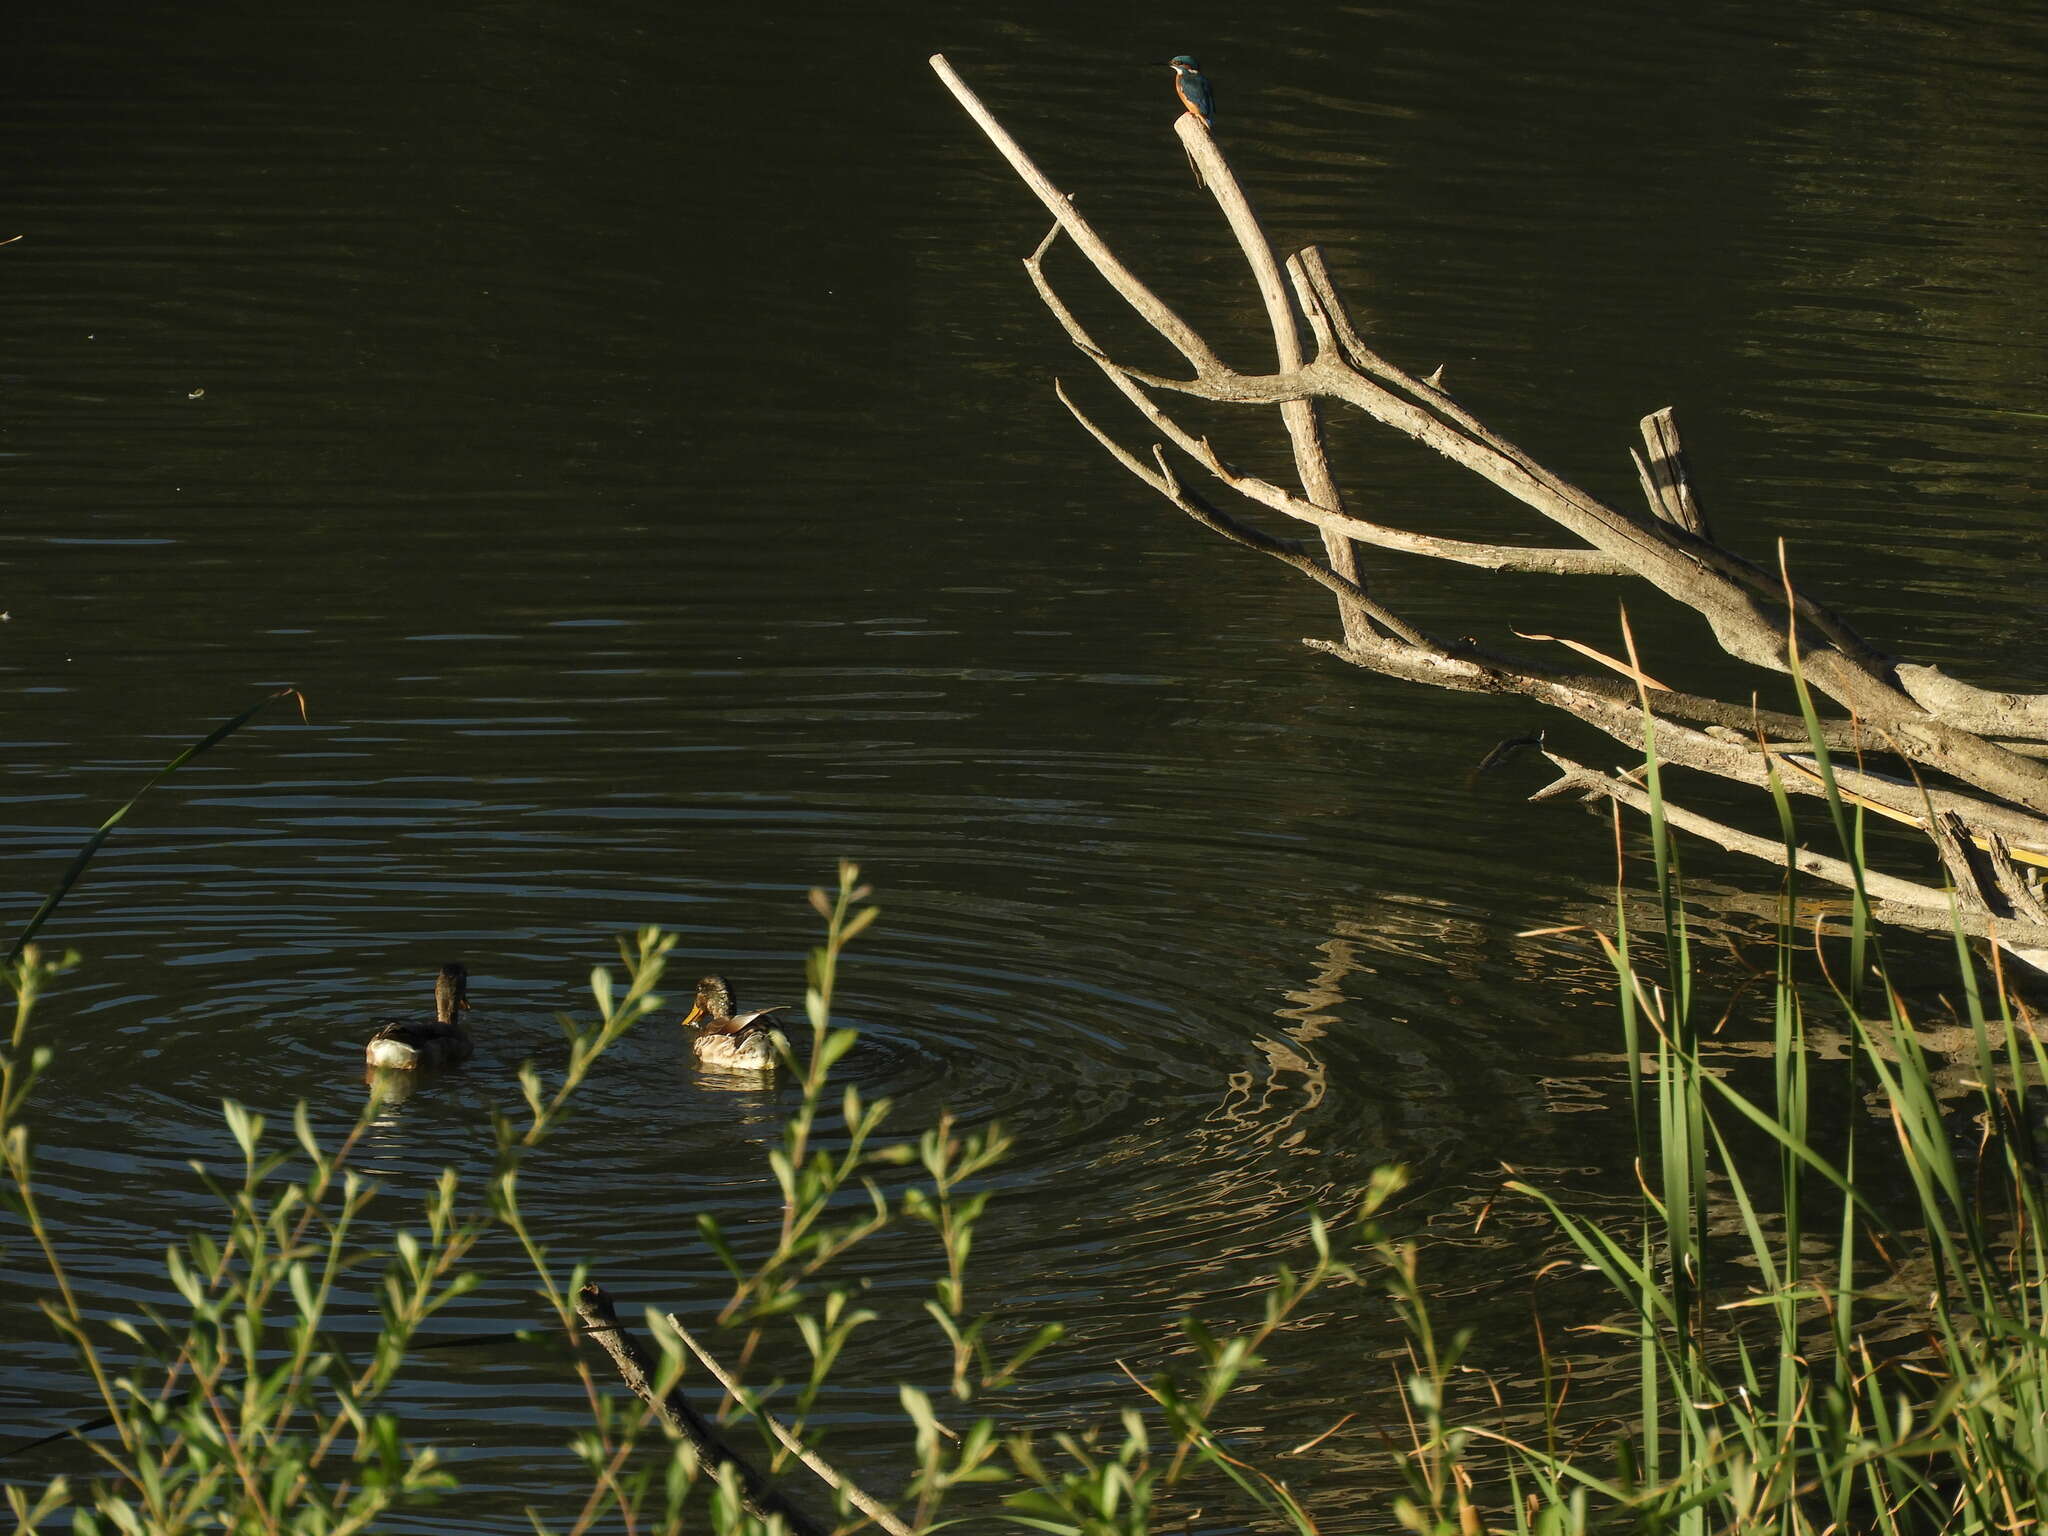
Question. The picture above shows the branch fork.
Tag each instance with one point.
(1969, 781)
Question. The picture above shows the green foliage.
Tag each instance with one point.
(1099, 1486)
(1810, 1355)
(238, 1409)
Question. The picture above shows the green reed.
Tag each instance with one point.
(1837, 1324)
(105, 829)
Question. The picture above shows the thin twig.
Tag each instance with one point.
(1288, 551)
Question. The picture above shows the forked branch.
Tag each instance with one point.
(1982, 805)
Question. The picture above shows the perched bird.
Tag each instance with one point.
(440, 1041)
(725, 1038)
(1192, 86)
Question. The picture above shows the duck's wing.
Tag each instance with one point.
(415, 1032)
(744, 1023)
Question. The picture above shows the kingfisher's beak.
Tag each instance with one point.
(696, 1012)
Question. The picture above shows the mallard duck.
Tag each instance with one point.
(440, 1041)
(725, 1038)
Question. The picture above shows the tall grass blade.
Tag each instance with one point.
(93, 844)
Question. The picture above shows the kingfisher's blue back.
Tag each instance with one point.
(1194, 90)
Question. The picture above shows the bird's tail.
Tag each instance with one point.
(384, 1052)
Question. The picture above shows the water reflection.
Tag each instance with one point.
(757, 1083)
(388, 1089)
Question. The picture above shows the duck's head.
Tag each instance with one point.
(714, 1000)
(451, 992)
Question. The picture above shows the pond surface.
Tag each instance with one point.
(632, 430)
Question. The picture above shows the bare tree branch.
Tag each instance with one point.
(1904, 903)
(1499, 557)
(1666, 477)
(866, 1503)
(1978, 790)
(1976, 709)
(1605, 702)
(2023, 898)
(1304, 429)
(601, 1322)
(1289, 551)
(1179, 334)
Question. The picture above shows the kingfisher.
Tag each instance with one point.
(1192, 86)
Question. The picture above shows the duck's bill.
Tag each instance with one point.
(696, 1013)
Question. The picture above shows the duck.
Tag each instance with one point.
(728, 1039)
(441, 1041)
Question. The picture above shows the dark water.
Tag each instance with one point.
(632, 430)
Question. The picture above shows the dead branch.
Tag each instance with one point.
(1905, 903)
(1666, 477)
(602, 1323)
(1178, 333)
(873, 1508)
(1498, 557)
(2020, 894)
(1976, 709)
(1975, 784)
(1304, 429)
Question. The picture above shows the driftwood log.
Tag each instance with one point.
(1962, 764)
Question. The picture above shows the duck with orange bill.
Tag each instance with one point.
(726, 1038)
